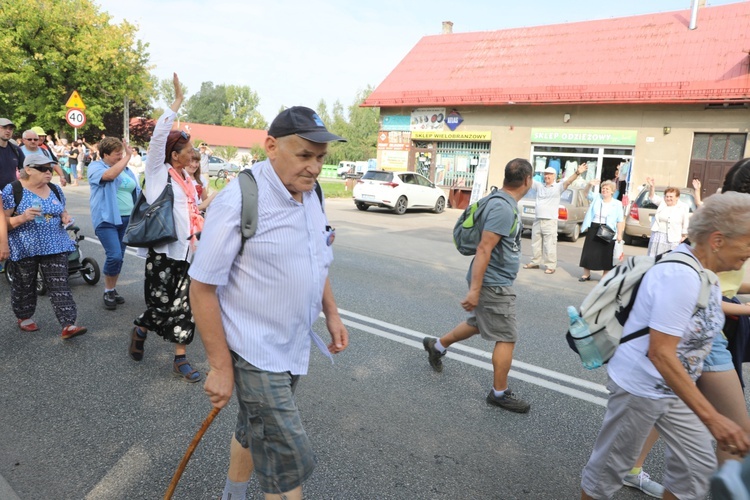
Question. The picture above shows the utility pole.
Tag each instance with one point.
(126, 120)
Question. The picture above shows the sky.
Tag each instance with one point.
(297, 52)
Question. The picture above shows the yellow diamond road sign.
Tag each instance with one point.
(75, 101)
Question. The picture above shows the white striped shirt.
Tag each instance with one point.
(271, 295)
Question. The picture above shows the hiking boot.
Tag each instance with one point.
(118, 298)
(433, 355)
(72, 331)
(508, 401)
(110, 300)
(643, 482)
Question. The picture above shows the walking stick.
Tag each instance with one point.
(189, 453)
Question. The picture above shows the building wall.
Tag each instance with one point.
(666, 157)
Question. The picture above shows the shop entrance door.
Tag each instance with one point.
(712, 157)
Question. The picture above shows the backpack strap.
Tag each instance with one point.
(17, 151)
(496, 194)
(18, 193)
(249, 206)
(708, 278)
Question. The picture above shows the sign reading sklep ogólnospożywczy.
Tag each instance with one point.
(584, 136)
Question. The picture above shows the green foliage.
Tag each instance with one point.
(258, 152)
(360, 130)
(52, 47)
(228, 105)
(166, 90)
(226, 152)
(245, 160)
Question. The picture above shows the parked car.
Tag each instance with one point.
(570, 213)
(641, 214)
(398, 191)
(219, 168)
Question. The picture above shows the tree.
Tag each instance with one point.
(226, 152)
(166, 90)
(52, 47)
(258, 152)
(206, 106)
(360, 130)
(232, 106)
(241, 108)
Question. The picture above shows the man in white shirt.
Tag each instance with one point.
(206, 153)
(544, 229)
(255, 316)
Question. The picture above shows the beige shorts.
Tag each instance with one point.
(495, 315)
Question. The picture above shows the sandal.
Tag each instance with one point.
(27, 325)
(584, 278)
(549, 271)
(183, 369)
(531, 266)
(135, 350)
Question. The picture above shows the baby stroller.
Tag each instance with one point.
(86, 266)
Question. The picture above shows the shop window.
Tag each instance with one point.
(456, 161)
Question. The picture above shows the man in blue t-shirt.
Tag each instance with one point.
(491, 301)
(11, 156)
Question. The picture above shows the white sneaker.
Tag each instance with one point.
(643, 482)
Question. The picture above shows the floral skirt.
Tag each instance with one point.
(166, 287)
(658, 244)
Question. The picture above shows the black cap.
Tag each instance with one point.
(304, 122)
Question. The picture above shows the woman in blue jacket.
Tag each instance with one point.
(605, 209)
(114, 191)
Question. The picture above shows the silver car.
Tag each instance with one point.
(219, 168)
(570, 213)
(642, 211)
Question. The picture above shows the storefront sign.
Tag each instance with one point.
(396, 122)
(428, 119)
(394, 140)
(452, 136)
(453, 120)
(582, 136)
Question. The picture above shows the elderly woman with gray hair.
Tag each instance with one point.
(605, 215)
(652, 379)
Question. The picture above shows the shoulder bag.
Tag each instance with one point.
(152, 224)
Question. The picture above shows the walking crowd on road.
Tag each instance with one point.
(248, 268)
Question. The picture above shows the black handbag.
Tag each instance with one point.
(152, 225)
(605, 233)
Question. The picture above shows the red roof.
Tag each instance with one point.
(217, 135)
(651, 58)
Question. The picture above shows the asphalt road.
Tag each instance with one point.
(81, 420)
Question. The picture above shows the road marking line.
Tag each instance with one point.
(481, 364)
(124, 475)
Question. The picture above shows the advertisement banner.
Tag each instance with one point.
(428, 119)
(394, 160)
(480, 178)
(396, 122)
(394, 140)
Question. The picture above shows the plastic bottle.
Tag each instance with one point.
(587, 349)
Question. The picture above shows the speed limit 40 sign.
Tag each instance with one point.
(75, 117)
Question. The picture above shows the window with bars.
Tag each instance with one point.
(456, 161)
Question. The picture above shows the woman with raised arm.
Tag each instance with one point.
(604, 211)
(167, 283)
(670, 225)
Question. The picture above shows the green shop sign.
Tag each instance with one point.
(583, 136)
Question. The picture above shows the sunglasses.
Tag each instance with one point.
(31, 138)
(42, 168)
(185, 135)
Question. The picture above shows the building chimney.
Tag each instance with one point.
(697, 4)
(447, 27)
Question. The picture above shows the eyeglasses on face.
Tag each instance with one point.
(31, 138)
(42, 168)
